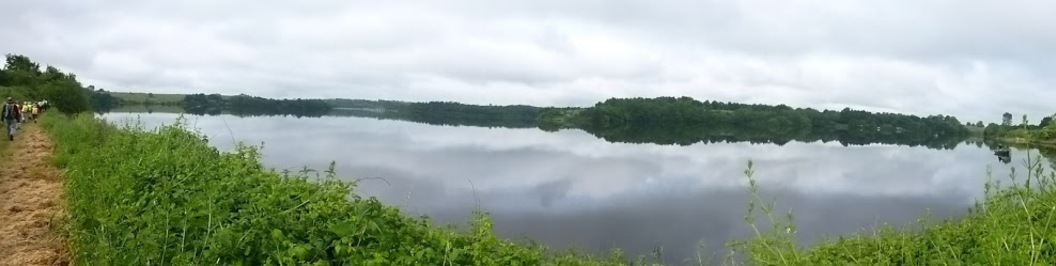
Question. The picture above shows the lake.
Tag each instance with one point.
(571, 189)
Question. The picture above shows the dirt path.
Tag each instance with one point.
(31, 196)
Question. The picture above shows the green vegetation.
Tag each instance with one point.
(146, 98)
(684, 121)
(138, 197)
(214, 104)
(148, 109)
(1043, 133)
(1014, 225)
(101, 100)
(245, 105)
(442, 113)
(22, 79)
(669, 120)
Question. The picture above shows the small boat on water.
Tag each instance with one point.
(1003, 154)
(1002, 151)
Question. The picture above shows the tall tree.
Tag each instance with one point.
(20, 71)
(62, 90)
(21, 63)
(1045, 121)
(1006, 119)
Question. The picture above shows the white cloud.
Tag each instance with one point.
(974, 59)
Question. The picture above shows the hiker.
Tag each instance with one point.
(20, 107)
(26, 108)
(11, 115)
(35, 111)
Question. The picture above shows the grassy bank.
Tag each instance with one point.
(1028, 142)
(138, 197)
(1013, 225)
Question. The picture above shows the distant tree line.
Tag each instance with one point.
(1023, 132)
(245, 105)
(102, 101)
(24, 80)
(451, 113)
(150, 100)
(684, 120)
(443, 113)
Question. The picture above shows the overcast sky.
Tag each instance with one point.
(970, 58)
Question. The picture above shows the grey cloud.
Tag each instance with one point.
(554, 40)
(902, 28)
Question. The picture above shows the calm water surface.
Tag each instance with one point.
(571, 189)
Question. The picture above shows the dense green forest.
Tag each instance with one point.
(684, 120)
(245, 105)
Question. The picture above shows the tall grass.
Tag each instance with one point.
(1012, 225)
(164, 196)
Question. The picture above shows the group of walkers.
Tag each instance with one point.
(15, 113)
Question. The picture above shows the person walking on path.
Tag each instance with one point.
(35, 111)
(11, 115)
(25, 110)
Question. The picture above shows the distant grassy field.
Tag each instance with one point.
(141, 97)
(150, 109)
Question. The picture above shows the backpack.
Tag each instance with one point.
(9, 111)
